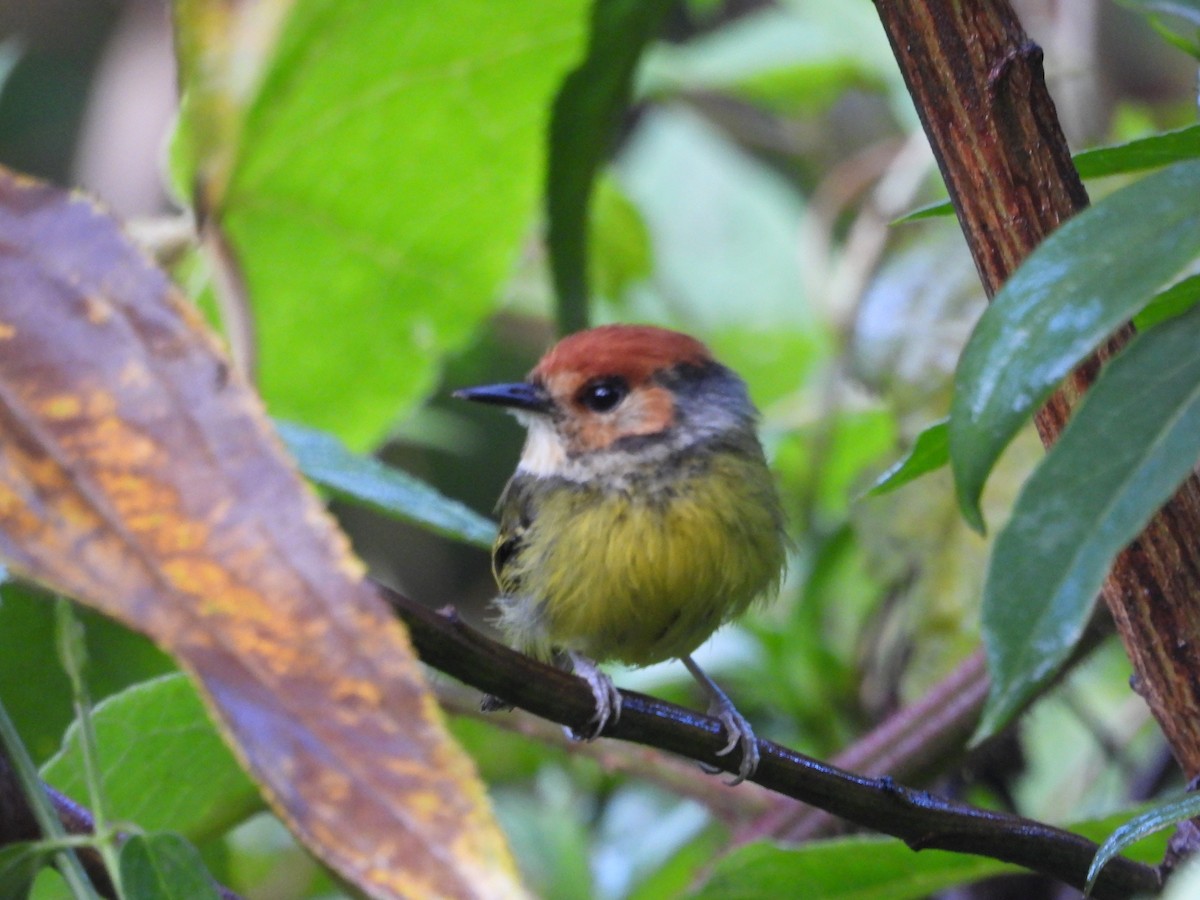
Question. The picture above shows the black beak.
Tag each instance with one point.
(520, 395)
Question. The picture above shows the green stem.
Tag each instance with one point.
(73, 654)
(43, 813)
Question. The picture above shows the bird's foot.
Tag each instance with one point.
(740, 734)
(608, 698)
(491, 703)
(736, 727)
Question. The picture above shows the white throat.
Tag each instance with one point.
(544, 454)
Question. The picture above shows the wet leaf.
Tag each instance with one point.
(1152, 820)
(140, 476)
(1177, 299)
(1140, 154)
(1075, 290)
(367, 481)
(1132, 441)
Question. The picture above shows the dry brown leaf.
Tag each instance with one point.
(139, 475)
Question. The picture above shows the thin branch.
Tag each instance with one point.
(918, 741)
(920, 819)
(729, 804)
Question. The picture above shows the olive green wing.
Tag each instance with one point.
(516, 515)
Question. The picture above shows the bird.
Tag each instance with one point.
(642, 515)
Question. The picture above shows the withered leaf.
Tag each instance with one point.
(139, 475)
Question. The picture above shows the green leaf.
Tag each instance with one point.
(23, 777)
(41, 705)
(1132, 441)
(620, 252)
(1185, 9)
(839, 870)
(723, 228)
(1176, 21)
(386, 175)
(1078, 287)
(794, 59)
(1121, 159)
(367, 481)
(19, 865)
(1156, 819)
(929, 211)
(11, 51)
(1140, 154)
(181, 776)
(869, 868)
(164, 866)
(1175, 300)
(930, 451)
(583, 126)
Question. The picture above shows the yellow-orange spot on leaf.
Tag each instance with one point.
(358, 692)
(134, 374)
(198, 577)
(273, 649)
(403, 884)
(173, 536)
(406, 768)
(423, 804)
(42, 471)
(335, 786)
(136, 497)
(97, 310)
(58, 407)
(117, 486)
(16, 513)
(98, 403)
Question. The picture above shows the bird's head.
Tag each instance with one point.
(624, 393)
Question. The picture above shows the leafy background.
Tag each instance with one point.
(381, 183)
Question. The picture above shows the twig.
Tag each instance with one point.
(918, 741)
(678, 776)
(920, 819)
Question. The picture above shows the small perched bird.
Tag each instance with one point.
(641, 516)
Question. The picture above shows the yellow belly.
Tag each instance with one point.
(642, 577)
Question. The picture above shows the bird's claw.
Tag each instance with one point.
(740, 734)
(608, 698)
(739, 730)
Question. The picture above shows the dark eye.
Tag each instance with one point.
(603, 394)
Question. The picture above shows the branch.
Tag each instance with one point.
(978, 86)
(730, 804)
(918, 741)
(918, 818)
